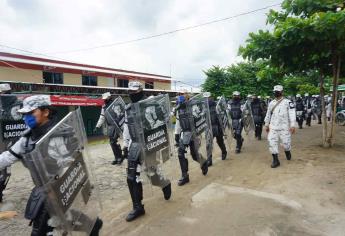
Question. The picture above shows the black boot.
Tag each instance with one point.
(167, 192)
(97, 227)
(138, 210)
(204, 168)
(184, 179)
(224, 154)
(275, 162)
(136, 191)
(288, 155)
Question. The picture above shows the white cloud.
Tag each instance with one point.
(60, 25)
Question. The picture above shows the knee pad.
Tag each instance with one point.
(132, 171)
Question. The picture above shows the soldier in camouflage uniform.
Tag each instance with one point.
(280, 122)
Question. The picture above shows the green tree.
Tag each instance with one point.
(216, 81)
(308, 37)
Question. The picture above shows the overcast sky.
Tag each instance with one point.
(48, 26)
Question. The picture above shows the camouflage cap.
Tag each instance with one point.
(278, 88)
(135, 85)
(236, 93)
(33, 102)
(5, 87)
(106, 95)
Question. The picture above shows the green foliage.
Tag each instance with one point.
(245, 77)
(216, 81)
(307, 88)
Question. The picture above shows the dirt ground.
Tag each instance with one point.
(239, 196)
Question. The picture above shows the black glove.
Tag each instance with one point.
(95, 129)
(125, 152)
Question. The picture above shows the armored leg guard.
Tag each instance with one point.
(239, 143)
(221, 144)
(288, 155)
(2, 188)
(136, 192)
(177, 139)
(275, 162)
(259, 131)
(319, 119)
(183, 164)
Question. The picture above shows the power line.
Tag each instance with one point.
(30, 52)
(165, 33)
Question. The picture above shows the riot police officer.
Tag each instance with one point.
(258, 115)
(308, 108)
(236, 107)
(40, 118)
(133, 143)
(111, 130)
(300, 111)
(187, 139)
(217, 130)
(317, 108)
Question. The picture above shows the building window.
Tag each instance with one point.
(52, 77)
(149, 85)
(89, 80)
(122, 83)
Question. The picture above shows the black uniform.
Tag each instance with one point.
(236, 116)
(187, 139)
(217, 130)
(135, 159)
(258, 115)
(300, 112)
(318, 109)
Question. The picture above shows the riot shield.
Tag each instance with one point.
(156, 138)
(201, 127)
(115, 114)
(11, 122)
(225, 121)
(247, 118)
(61, 166)
(11, 129)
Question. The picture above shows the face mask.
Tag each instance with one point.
(277, 94)
(30, 121)
(236, 98)
(181, 99)
(136, 97)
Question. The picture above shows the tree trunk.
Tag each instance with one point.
(323, 109)
(336, 72)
